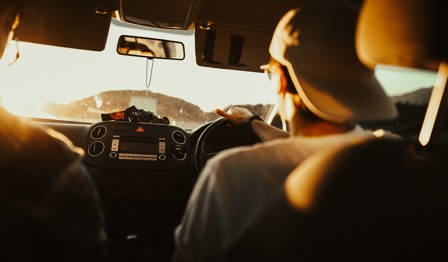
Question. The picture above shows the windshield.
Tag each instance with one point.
(78, 85)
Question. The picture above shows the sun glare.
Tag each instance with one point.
(45, 74)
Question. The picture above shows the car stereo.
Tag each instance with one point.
(125, 144)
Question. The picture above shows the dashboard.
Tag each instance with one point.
(144, 173)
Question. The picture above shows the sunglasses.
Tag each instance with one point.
(270, 69)
(267, 69)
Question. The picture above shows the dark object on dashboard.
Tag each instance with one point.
(134, 115)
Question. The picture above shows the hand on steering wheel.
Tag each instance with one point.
(238, 115)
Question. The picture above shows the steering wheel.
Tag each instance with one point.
(219, 135)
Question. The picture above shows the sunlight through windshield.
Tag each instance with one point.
(78, 85)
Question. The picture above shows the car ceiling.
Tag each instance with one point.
(230, 34)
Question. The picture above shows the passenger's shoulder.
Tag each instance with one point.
(45, 152)
(53, 143)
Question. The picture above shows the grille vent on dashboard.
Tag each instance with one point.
(179, 137)
(96, 148)
(98, 132)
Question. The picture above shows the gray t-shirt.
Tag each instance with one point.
(237, 185)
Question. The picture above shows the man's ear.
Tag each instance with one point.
(283, 88)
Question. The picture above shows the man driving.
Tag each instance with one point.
(322, 90)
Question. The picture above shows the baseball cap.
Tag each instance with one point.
(316, 42)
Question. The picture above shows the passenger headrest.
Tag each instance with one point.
(408, 33)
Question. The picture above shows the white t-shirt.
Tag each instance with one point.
(236, 187)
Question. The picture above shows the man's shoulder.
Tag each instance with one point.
(274, 157)
(256, 152)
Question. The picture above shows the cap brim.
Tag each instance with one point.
(342, 98)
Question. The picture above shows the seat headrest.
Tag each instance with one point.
(383, 197)
(408, 33)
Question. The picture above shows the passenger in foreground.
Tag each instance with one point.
(50, 209)
(322, 90)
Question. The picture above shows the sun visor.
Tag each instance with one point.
(408, 33)
(82, 24)
(231, 48)
(234, 34)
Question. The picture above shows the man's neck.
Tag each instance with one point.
(302, 126)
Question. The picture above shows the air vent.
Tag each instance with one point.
(98, 132)
(179, 155)
(179, 137)
(96, 148)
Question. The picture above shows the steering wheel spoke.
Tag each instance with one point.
(222, 126)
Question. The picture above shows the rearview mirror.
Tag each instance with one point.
(150, 47)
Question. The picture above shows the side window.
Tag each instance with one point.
(410, 91)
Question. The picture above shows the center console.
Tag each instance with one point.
(136, 145)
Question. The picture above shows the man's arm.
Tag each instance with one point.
(263, 130)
